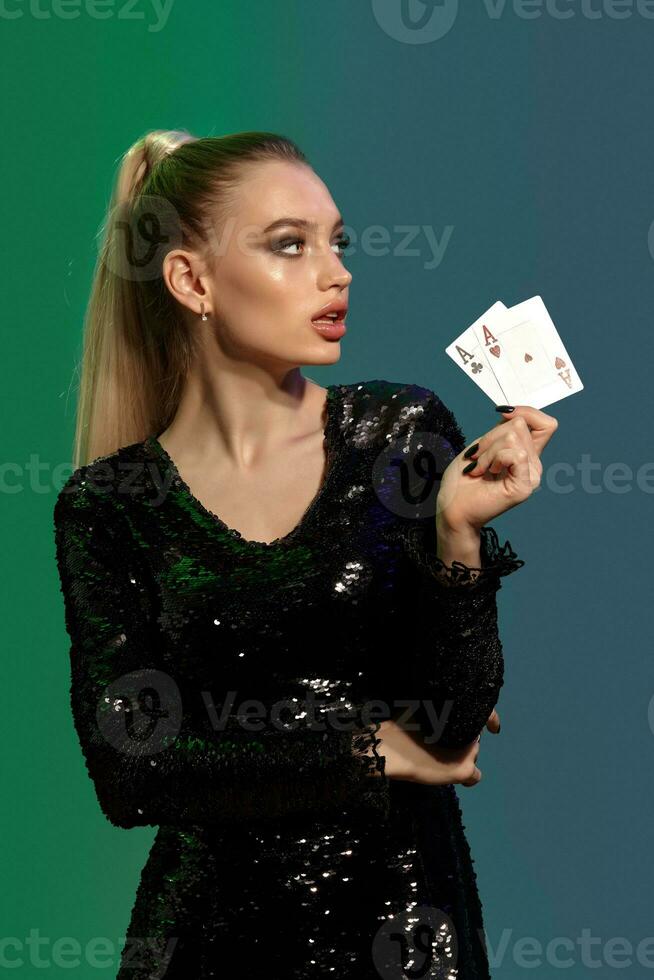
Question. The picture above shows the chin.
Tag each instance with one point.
(329, 354)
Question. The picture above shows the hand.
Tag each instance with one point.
(508, 469)
(409, 759)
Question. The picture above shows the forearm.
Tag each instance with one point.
(457, 665)
(202, 776)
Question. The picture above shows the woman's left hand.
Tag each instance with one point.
(507, 471)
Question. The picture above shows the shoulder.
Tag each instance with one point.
(95, 489)
(375, 412)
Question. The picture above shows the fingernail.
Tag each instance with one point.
(504, 408)
(473, 449)
(470, 466)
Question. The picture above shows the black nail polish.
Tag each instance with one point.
(470, 466)
(473, 449)
(504, 408)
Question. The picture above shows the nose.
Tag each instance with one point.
(332, 273)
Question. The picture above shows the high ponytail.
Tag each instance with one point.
(137, 349)
(142, 158)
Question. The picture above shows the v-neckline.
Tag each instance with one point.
(330, 429)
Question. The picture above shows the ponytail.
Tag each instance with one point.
(136, 347)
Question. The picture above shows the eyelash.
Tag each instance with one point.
(343, 242)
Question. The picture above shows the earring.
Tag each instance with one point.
(203, 315)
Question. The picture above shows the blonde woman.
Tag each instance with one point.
(281, 598)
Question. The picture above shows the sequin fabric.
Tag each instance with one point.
(229, 692)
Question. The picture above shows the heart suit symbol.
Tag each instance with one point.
(495, 351)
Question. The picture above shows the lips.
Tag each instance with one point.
(337, 309)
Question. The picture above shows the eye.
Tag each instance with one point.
(342, 243)
(287, 243)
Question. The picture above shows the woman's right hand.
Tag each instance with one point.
(410, 759)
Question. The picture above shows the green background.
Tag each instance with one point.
(530, 135)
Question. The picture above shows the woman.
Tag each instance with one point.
(284, 639)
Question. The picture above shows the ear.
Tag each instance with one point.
(185, 277)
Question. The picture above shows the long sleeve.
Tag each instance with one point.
(456, 663)
(152, 758)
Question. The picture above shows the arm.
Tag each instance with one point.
(457, 660)
(457, 665)
(152, 757)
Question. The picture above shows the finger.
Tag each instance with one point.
(472, 780)
(514, 432)
(516, 436)
(493, 723)
(520, 465)
(471, 751)
(542, 425)
(516, 461)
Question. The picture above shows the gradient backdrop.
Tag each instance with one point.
(520, 135)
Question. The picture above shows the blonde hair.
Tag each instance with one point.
(136, 347)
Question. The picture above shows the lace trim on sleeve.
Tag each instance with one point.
(496, 561)
(372, 792)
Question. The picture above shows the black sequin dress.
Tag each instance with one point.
(229, 692)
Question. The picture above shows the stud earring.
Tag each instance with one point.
(203, 315)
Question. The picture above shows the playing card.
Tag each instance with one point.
(526, 354)
(466, 351)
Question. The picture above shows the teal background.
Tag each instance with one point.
(532, 137)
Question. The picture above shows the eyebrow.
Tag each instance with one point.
(300, 223)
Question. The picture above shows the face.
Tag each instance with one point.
(266, 284)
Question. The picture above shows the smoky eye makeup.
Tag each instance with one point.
(280, 244)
